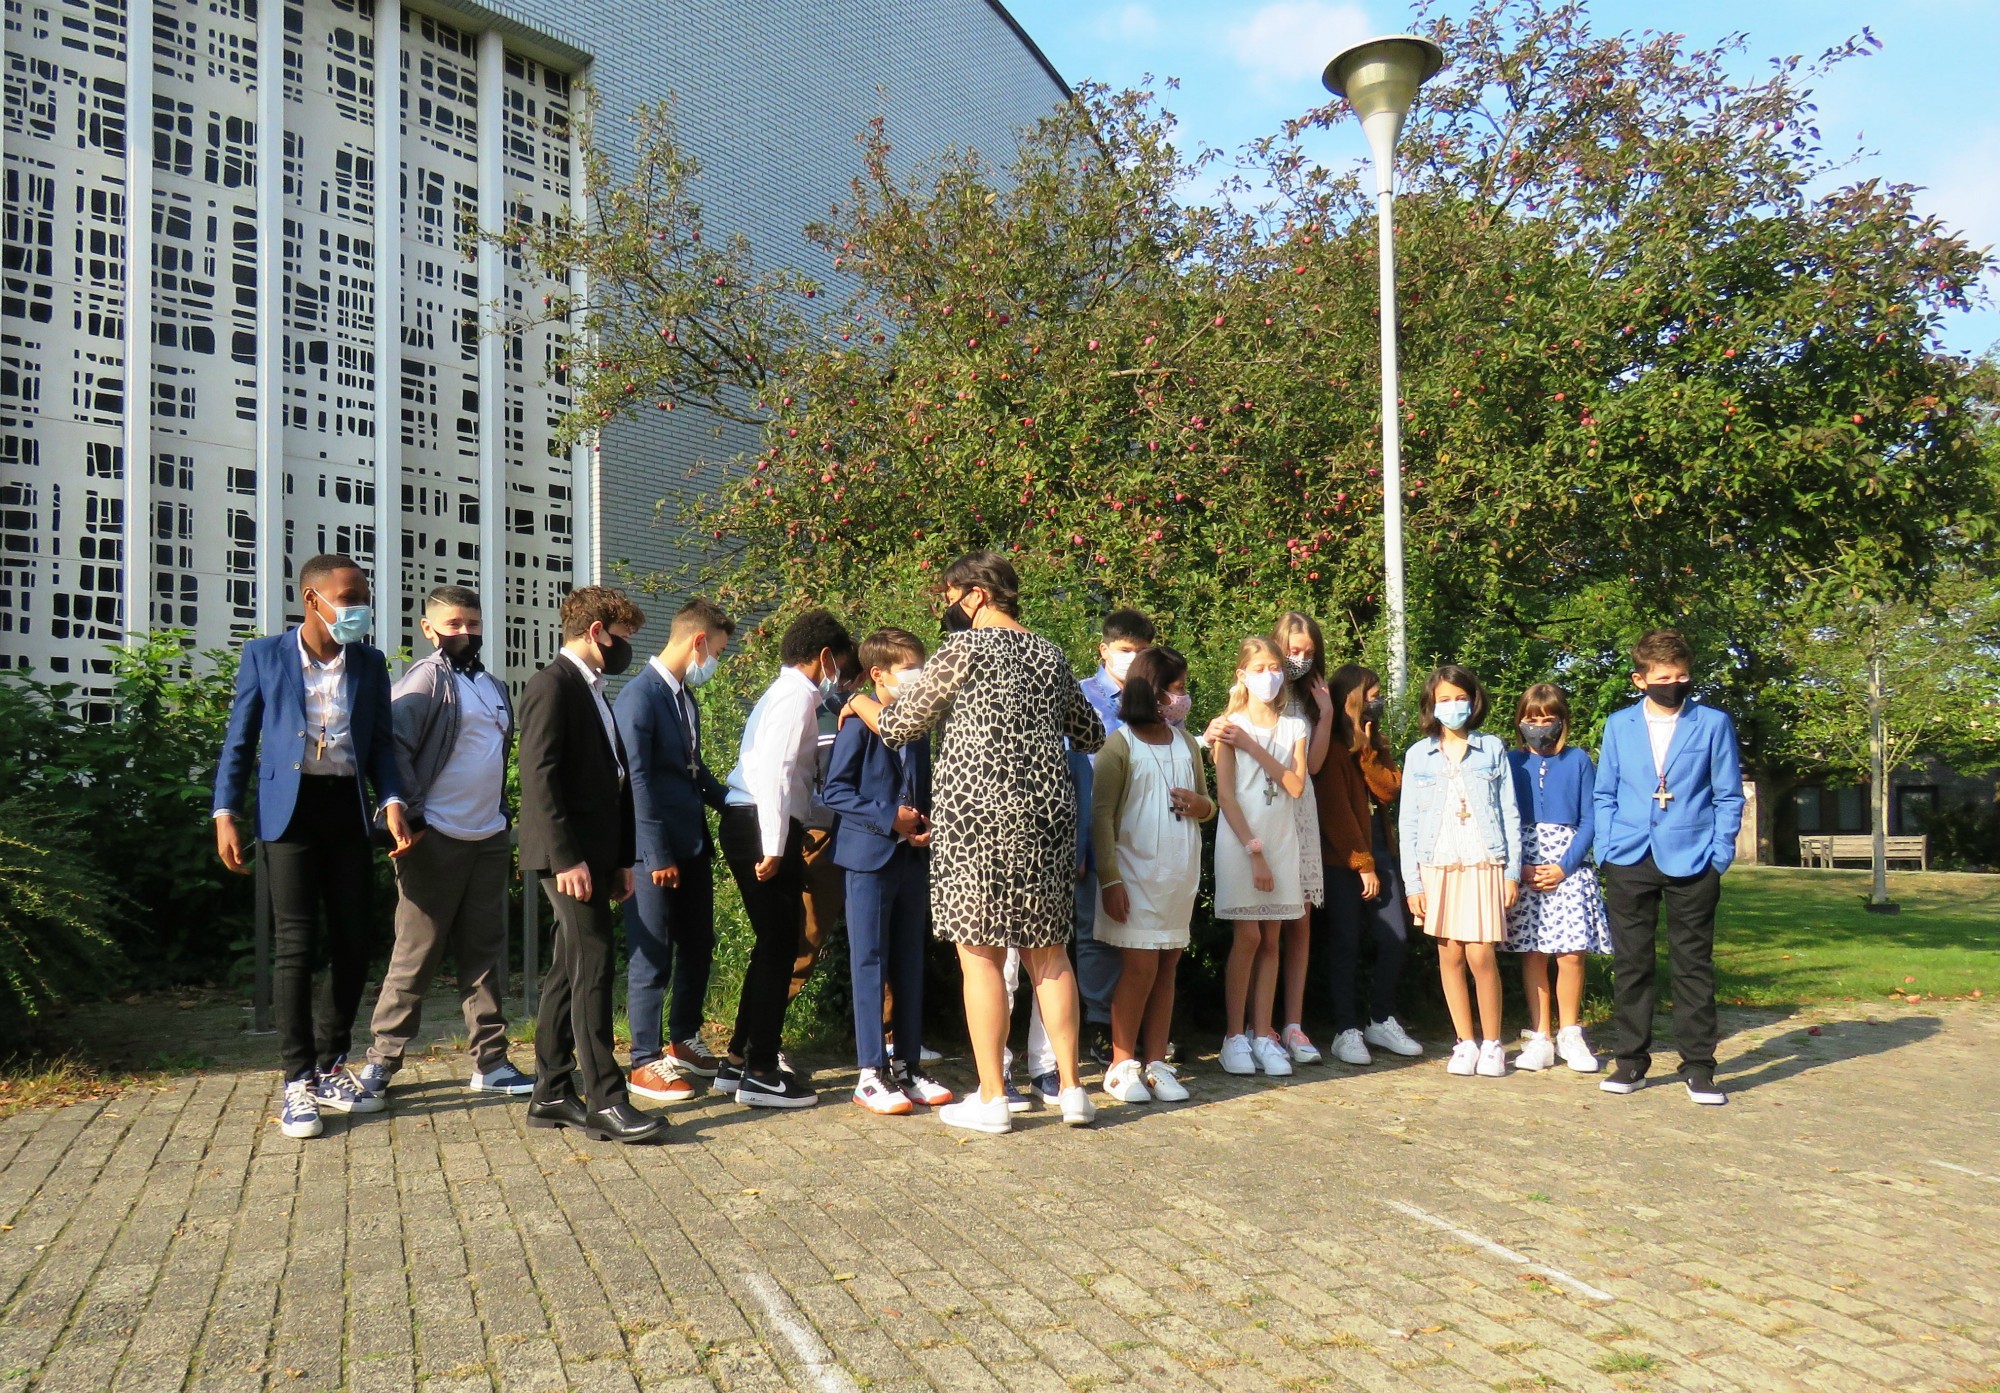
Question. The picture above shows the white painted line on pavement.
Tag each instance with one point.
(825, 1374)
(1964, 1170)
(1499, 1251)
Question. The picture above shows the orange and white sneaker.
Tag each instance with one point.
(918, 1086)
(875, 1093)
(660, 1083)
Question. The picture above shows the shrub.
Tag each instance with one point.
(57, 907)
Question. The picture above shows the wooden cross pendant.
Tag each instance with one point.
(1270, 793)
(1464, 813)
(319, 752)
(1661, 796)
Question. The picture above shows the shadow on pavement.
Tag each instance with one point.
(1801, 1050)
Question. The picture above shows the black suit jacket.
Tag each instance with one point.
(668, 787)
(574, 807)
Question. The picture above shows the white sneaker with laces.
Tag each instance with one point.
(1077, 1109)
(976, 1115)
(1537, 1054)
(927, 1055)
(1386, 1034)
(1464, 1058)
(880, 1095)
(1165, 1083)
(1296, 1043)
(1575, 1050)
(1126, 1082)
(1237, 1056)
(1348, 1048)
(1271, 1056)
(1492, 1060)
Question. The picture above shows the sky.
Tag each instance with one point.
(1923, 110)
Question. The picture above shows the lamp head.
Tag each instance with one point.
(1379, 78)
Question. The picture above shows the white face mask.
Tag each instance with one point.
(1264, 685)
(1119, 662)
(901, 679)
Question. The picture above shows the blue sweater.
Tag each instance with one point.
(1562, 795)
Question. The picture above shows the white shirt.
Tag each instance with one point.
(464, 801)
(682, 701)
(1660, 730)
(603, 708)
(329, 728)
(777, 759)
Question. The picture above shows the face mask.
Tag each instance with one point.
(350, 623)
(1541, 735)
(829, 687)
(1453, 715)
(902, 679)
(1263, 685)
(1668, 696)
(700, 672)
(1118, 664)
(1298, 667)
(1174, 707)
(461, 650)
(615, 653)
(956, 620)
(1373, 711)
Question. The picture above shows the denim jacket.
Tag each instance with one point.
(1489, 790)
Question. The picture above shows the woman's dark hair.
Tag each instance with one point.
(1544, 701)
(1151, 673)
(988, 571)
(1290, 624)
(1466, 681)
(1344, 683)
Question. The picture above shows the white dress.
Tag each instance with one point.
(1312, 872)
(1159, 855)
(1262, 801)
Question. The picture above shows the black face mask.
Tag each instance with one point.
(1541, 735)
(1668, 696)
(956, 620)
(461, 651)
(1373, 711)
(616, 655)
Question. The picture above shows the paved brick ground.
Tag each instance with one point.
(1836, 1227)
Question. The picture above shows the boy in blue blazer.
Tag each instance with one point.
(883, 797)
(312, 716)
(1669, 801)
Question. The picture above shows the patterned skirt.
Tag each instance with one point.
(1567, 919)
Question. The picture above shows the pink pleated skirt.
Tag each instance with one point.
(1465, 904)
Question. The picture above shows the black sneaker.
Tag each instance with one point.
(777, 1090)
(1623, 1079)
(1100, 1043)
(1702, 1088)
(727, 1077)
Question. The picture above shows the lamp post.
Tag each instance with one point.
(1379, 78)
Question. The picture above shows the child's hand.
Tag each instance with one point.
(1117, 903)
(1416, 903)
(908, 821)
(1371, 885)
(1322, 697)
(922, 840)
(1260, 873)
(1510, 894)
(1215, 729)
(1549, 877)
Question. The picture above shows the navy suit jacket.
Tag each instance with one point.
(1697, 829)
(267, 725)
(865, 784)
(669, 787)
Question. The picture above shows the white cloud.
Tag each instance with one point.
(1129, 24)
(1290, 41)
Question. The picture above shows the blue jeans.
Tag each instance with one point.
(888, 912)
(665, 929)
(1097, 964)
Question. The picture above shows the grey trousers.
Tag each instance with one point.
(450, 894)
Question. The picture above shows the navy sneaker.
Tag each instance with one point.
(300, 1119)
(374, 1081)
(503, 1077)
(337, 1090)
(1049, 1085)
(1017, 1101)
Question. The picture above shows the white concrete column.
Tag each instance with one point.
(583, 455)
(270, 318)
(389, 576)
(137, 547)
(492, 363)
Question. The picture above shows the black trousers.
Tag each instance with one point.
(322, 863)
(573, 1024)
(1633, 896)
(776, 908)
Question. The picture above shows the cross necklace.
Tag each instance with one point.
(1270, 784)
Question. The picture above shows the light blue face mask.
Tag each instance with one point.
(350, 623)
(1453, 715)
(703, 670)
(829, 692)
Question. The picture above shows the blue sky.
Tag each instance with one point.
(1924, 108)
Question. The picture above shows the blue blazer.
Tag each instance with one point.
(669, 785)
(865, 783)
(267, 724)
(1704, 773)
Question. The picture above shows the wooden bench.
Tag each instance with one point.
(1825, 852)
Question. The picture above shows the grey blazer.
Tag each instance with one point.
(424, 710)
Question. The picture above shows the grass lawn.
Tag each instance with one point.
(1786, 937)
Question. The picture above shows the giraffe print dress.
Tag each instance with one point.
(1003, 806)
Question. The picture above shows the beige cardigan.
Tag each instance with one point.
(1110, 774)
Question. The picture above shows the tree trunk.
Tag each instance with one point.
(1878, 769)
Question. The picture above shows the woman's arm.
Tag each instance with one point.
(1082, 726)
(920, 708)
(1225, 787)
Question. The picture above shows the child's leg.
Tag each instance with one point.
(908, 923)
(1137, 967)
(1569, 989)
(1535, 985)
(1691, 956)
(1264, 983)
(985, 1013)
(1297, 948)
(1159, 1021)
(1236, 975)
(867, 960)
(1485, 965)
(1457, 999)
(1055, 992)
(1632, 902)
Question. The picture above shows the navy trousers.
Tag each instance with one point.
(888, 914)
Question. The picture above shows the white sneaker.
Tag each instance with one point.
(1271, 1056)
(1165, 1083)
(1077, 1109)
(1301, 1049)
(1237, 1056)
(1387, 1035)
(1126, 1082)
(1492, 1060)
(1538, 1054)
(974, 1115)
(1348, 1049)
(1575, 1050)
(1464, 1058)
(927, 1055)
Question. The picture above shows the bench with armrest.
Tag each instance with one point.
(1827, 851)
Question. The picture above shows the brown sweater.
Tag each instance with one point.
(1341, 790)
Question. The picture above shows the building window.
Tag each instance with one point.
(1914, 806)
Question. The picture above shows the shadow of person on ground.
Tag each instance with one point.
(1811, 1047)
